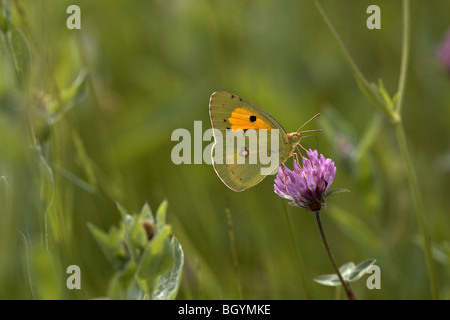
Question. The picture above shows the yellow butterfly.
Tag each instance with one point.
(230, 113)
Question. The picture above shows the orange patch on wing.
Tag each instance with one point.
(242, 119)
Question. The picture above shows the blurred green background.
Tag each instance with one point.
(69, 150)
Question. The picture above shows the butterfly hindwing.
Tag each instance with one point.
(229, 113)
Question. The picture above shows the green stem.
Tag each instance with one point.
(401, 139)
(345, 284)
(234, 255)
(394, 114)
(405, 57)
(358, 74)
(297, 251)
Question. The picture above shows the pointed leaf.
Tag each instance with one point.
(369, 136)
(386, 97)
(331, 280)
(47, 182)
(368, 91)
(122, 210)
(20, 51)
(161, 215)
(69, 96)
(157, 259)
(83, 158)
(4, 181)
(146, 214)
(293, 204)
(336, 191)
(395, 98)
(5, 16)
(360, 270)
(122, 282)
(138, 236)
(77, 90)
(346, 270)
(170, 282)
(111, 244)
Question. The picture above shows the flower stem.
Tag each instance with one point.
(234, 255)
(346, 285)
(394, 114)
(405, 57)
(401, 139)
(297, 251)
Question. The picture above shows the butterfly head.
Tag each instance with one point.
(294, 137)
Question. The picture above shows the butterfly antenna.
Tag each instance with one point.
(309, 122)
(311, 135)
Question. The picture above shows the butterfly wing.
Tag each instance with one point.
(229, 112)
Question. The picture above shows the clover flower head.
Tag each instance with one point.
(443, 52)
(308, 185)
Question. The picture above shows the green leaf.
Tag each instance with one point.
(161, 215)
(131, 238)
(4, 193)
(367, 91)
(331, 280)
(342, 135)
(336, 191)
(357, 228)
(77, 181)
(4, 181)
(369, 136)
(47, 181)
(440, 251)
(69, 97)
(346, 269)
(20, 52)
(77, 90)
(349, 272)
(386, 97)
(169, 283)
(395, 98)
(111, 244)
(123, 285)
(5, 16)
(42, 271)
(7, 72)
(154, 267)
(156, 260)
(293, 204)
(122, 210)
(137, 235)
(146, 214)
(360, 270)
(83, 159)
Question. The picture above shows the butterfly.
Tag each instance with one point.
(231, 114)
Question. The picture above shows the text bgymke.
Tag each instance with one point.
(226, 309)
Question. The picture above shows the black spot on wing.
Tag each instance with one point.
(252, 118)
